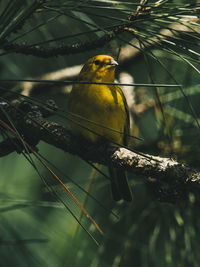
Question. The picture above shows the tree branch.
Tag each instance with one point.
(173, 181)
(40, 51)
(142, 13)
(183, 26)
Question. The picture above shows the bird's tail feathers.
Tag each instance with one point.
(119, 184)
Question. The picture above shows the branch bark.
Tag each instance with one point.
(44, 52)
(159, 172)
(128, 53)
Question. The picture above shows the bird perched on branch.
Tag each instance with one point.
(101, 113)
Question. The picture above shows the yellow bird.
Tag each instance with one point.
(103, 112)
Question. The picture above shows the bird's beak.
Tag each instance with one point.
(113, 63)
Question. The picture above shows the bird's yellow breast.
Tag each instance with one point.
(98, 107)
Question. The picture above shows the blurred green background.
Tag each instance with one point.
(36, 229)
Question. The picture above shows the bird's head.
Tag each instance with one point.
(100, 68)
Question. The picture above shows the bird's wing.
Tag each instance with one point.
(127, 125)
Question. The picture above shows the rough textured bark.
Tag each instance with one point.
(170, 179)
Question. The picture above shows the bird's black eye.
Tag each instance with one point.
(97, 62)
